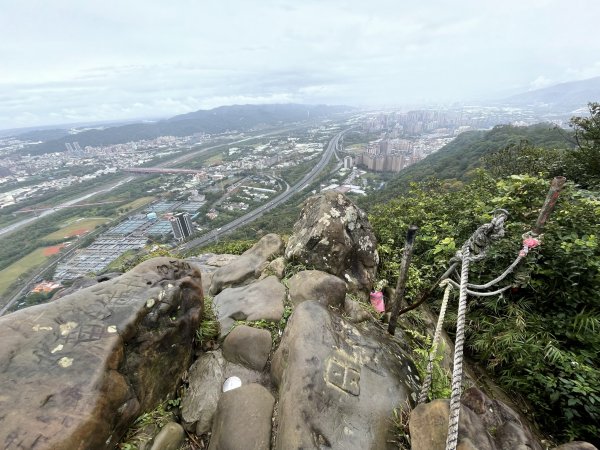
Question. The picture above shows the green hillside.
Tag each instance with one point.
(456, 160)
(540, 338)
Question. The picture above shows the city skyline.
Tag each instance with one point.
(70, 62)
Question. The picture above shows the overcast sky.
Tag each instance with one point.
(64, 61)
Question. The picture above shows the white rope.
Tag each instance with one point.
(481, 294)
(457, 371)
(500, 278)
(436, 337)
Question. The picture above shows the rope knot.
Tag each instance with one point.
(529, 242)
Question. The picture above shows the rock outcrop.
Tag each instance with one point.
(248, 266)
(74, 373)
(334, 235)
(338, 384)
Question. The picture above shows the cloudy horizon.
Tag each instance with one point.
(68, 61)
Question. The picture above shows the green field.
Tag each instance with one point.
(137, 203)
(9, 275)
(77, 226)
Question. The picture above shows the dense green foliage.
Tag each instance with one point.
(541, 338)
(586, 158)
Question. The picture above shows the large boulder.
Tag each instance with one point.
(316, 285)
(338, 383)
(248, 266)
(248, 346)
(74, 373)
(484, 424)
(334, 235)
(199, 402)
(243, 419)
(261, 300)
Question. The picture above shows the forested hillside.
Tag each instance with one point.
(540, 338)
(456, 160)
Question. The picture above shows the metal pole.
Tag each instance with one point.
(401, 286)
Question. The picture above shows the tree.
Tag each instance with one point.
(585, 164)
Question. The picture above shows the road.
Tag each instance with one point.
(21, 223)
(110, 186)
(281, 198)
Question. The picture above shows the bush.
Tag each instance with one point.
(541, 338)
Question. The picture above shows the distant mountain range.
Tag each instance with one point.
(563, 97)
(217, 120)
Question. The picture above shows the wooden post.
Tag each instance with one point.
(553, 193)
(401, 286)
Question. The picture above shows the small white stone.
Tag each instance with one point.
(231, 383)
(58, 348)
(39, 328)
(150, 303)
(161, 295)
(65, 362)
(112, 329)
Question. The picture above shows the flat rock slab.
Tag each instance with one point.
(248, 266)
(338, 383)
(243, 419)
(316, 285)
(74, 373)
(261, 300)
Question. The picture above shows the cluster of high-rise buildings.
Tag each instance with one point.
(388, 155)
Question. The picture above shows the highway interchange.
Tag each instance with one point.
(281, 198)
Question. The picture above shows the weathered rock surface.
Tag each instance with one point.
(243, 419)
(261, 300)
(576, 445)
(171, 437)
(75, 372)
(334, 235)
(338, 383)
(354, 311)
(275, 267)
(207, 264)
(484, 424)
(429, 428)
(248, 346)
(248, 266)
(205, 381)
(323, 287)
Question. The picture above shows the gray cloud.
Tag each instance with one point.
(68, 60)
